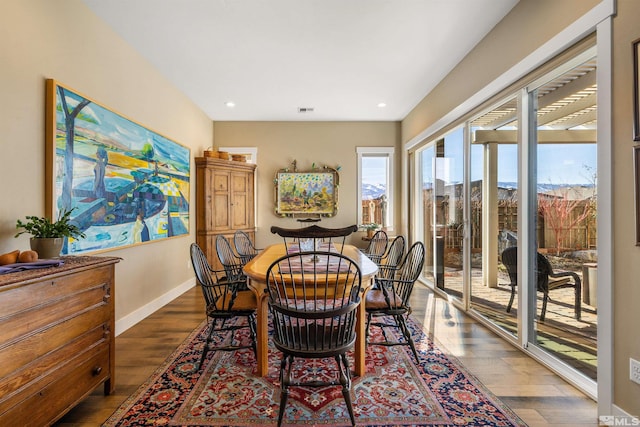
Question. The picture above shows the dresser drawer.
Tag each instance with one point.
(37, 319)
(23, 369)
(23, 297)
(62, 389)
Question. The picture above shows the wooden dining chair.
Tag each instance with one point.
(391, 300)
(231, 263)
(377, 246)
(313, 300)
(224, 301)
(244, 246)
(388, 264)
(314, 237)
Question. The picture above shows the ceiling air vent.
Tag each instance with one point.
(305, 109)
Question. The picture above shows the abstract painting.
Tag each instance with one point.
(126, 184)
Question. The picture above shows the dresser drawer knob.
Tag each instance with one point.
(97, 370)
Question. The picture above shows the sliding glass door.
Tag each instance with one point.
(524, 178)
(442, 173)
(494, 212)
(565, 187)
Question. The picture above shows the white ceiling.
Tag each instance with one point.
(270, 57)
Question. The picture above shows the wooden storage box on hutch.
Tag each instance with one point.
(224, 202)
(57, 342)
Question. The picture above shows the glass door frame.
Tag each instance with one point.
(527, 158)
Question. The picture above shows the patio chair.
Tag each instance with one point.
(244, 246)
(568, 279)
(377, 246)
(392, 299)
(231, 263)
(313, 301)
(224, 301)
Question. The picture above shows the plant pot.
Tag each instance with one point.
(370, 233)
(47, 247)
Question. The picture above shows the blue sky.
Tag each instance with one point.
(557, 163)
(373, 170)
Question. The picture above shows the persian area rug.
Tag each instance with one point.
(394, 391)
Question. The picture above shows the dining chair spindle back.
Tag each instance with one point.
(313, 299)
(224, 301)
(391, 300)
(244, 246)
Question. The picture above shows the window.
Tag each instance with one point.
(375, 185)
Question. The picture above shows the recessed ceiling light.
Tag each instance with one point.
(381, 105)
(230, 104)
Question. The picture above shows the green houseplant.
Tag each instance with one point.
(48, 236)
(370, 228)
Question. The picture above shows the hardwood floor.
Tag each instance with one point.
(537, 395)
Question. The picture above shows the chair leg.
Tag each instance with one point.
(407, 335)
(285, 381)
(205, 350)
(513, 294)
(345, 380)
(366, 330)
(253, 329)
(578, 302)
(544, 306)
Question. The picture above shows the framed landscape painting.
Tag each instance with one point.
(125, 183)
(307, 193)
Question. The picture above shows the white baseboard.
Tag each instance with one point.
(620, 412)
(132, 318)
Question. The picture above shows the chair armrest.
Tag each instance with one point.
(571, 274)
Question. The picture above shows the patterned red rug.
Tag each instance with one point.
(394, 392)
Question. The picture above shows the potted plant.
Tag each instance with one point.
(370, 228)
(47, 236)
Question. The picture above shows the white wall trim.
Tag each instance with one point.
(136, 316)
(389, 152)
(619, 412)
(605, 218)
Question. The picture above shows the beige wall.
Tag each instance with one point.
(626, 268)
(63, 40)
(323, 143)
(530, 24)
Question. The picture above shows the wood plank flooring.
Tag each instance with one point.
(537, 395)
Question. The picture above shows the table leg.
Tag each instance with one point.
(360, 367)
(262, 319)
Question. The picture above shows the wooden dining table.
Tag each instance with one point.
(256, 271)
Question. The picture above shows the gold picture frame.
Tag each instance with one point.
(305, 194)
(125, 183)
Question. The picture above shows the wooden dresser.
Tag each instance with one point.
(224, 202)
(56, 338)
